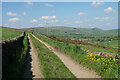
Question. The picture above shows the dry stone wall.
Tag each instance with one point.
(103, 53)
(9, 48)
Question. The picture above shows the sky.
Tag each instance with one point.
(60, 0)
(103, 15)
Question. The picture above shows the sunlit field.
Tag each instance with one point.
(10, 33)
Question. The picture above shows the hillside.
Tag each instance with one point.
(9, 33)
(70, 32)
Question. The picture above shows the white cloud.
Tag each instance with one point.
(11, 14)
(108, 24)
(65, 21)
(48, 5)
(40, 25)
(54, 21)
(109, 10)
(103, 18)
(96, 4)
(81, 14)
(51, 21)
(48, 17)
(78, 22)
(14, 19)
(92, 25)
(34, 21)
(24, 13)
(5, 24)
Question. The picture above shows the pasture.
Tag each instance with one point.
(8, 33)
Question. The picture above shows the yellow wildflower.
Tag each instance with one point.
(113, 59)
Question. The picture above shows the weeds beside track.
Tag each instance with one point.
(51, 65)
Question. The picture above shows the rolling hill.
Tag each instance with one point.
(72, 32)
(9, 33)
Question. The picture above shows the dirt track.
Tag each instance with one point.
(33, 65)
(77, 69)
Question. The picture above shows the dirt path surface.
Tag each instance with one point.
(77, 69)
(33, 65)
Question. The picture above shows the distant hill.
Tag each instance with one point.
(70, 31)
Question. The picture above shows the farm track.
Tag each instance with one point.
(77, 69)
(32, 69)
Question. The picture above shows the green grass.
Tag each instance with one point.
(111, 44)
(76, 33)
(107, 67)
(95, 49)
(52, 66)
(9, 33)
(80, 56)
(0, 34)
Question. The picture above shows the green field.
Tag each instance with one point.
(51, 65)
(95, 36)
(106, 67)
(0, 34)
(76, 33)
(95, 49)
(9, 33)
(109, 44)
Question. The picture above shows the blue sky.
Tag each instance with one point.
(103, 15)
(60, 0)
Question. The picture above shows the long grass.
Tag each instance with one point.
(95, 49)
(52, 66)
(9, 33)
(111, 44)
(82, 57)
